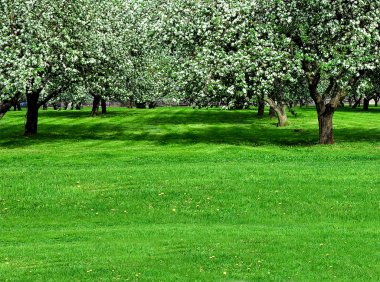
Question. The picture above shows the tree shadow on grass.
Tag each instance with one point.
(173, 127)
(203, 117)
(252, 135)
(372, 109)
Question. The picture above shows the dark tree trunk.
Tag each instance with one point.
(56, 106)
(66, 105)
(325, 122)
(78, 106)
(272, 112)
(104, 106)
(376, 101)
(16, 105)
(140, 105)
(152, 105)
(95, 106)
(4, 108)
(261, 108)
(350, 102)
(44, 106)
(366, 104)
(32, 113)
(356, 104)
(326, 110)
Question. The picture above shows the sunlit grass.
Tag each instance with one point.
(179, 194)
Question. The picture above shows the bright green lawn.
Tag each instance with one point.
(178, 194)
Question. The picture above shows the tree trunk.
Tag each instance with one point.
(356, 104)
(350, 102)
(376, 101)
(325, 122)
(129, 104)
(261, 108)
(104, 106)
(357, 101)
(272, 112)
(32, 113)
(152, 105)
(95, 106)
(140, 105)
(366, 104)
(55, 106)
(280, 111)
(281, 115)
(4, 108)
(44, 106)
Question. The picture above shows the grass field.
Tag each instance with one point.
(177, 194)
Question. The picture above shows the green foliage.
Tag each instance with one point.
(201, 51)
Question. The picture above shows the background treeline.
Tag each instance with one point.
(204, 53)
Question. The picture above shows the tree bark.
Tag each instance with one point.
(104, 106)
(140, 105)
(55, 106)
(357, 102)
(325, 122)
(4, 108)
(261, 108)
(366, 104)
(350, 102)
(16, 105)
(32, 113)
(280, 110)
(326, 110)
(95, 106)
(272, 112)
(281, 115)
(152, 105)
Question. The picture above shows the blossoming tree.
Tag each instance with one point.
(335, 42)
(47, 46)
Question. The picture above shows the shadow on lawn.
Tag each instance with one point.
(372, 109)
(173, 126)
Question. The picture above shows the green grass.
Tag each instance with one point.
(176, 194)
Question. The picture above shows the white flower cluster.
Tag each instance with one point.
(203, 51)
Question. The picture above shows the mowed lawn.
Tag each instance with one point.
(176, 194)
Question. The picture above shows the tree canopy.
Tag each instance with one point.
(224, 52)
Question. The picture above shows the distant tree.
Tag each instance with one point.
(335, 43)
(368, 88)
(48, 46)
(225, 56)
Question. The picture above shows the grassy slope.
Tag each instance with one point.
(180, 194)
